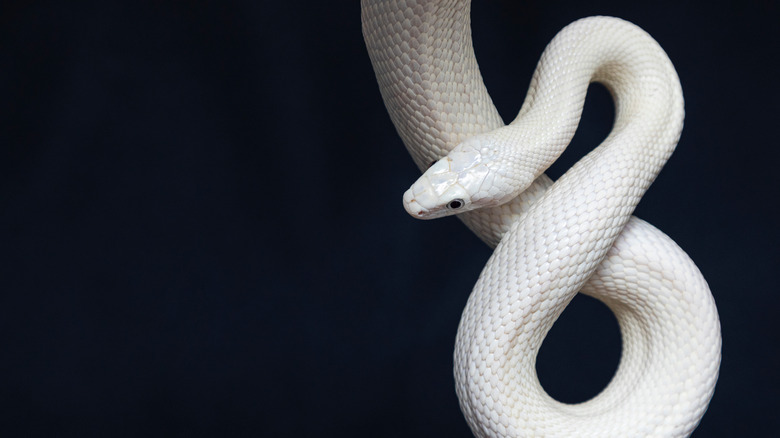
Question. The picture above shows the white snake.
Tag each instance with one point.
(552, 240)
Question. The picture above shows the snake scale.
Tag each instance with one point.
(552, 240)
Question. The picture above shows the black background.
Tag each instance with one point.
(201, 230)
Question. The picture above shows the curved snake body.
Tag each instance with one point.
(553, 240)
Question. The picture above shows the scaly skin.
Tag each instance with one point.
(553, 240)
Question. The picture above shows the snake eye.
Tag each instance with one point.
(455, 204)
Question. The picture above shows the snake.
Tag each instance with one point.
(552, 240)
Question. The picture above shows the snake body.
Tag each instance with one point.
(552, 239)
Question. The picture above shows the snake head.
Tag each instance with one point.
(473, 175)
(440, 191)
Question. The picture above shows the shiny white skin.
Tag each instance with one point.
(553, 240)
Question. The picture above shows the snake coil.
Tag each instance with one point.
(552, 239)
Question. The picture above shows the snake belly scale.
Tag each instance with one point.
(552, 240)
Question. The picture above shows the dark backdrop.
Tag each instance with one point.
(201, 230)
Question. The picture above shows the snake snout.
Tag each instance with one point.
(413, 207)
(421, 199)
